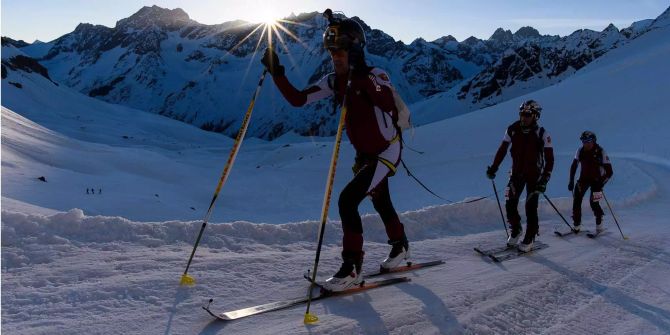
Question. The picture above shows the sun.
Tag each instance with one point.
(267, 17)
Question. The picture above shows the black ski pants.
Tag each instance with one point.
(578, 195)
(514, 189)
(351, 197)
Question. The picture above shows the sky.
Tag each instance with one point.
(44, 20)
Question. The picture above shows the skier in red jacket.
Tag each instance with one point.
(371, 125)
(596, 171)
(532, 162)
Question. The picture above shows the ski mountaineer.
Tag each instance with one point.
(371, 125)
(596, 171)
(532, 163)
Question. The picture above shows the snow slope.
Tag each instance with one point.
(77, 272)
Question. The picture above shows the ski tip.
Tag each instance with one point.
(186, 280)
(310, 319)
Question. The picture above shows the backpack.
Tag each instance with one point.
(404, 121)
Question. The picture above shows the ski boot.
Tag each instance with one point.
(600, 227)
(348, 276)
(577, 227)
(513, 238)
(399, 252)
(527, 244)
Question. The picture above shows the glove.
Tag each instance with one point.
(571, 186)
(271, 63)
(357, 59)
(491, 172)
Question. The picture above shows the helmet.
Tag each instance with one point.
(531, 106)
(343, 34)
(588, 136)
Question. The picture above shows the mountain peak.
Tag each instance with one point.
(445, 40)
(611, 27)
(501, 35)
(155, 15)
(527, 32)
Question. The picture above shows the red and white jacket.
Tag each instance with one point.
(371, 111)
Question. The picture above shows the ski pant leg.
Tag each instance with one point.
(595, 205)
(513, 192)
(577, 197)
(381, 200)
(532, 219)
(350, 198)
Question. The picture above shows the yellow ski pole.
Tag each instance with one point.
(185, 278)
(309, 317)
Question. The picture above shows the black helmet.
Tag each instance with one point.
(342, 33)
(531, 106)
(588, 136)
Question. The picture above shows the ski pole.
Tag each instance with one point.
(495, 191)
(614, 216)
(185, 278)
(559, 213)
(309, 317)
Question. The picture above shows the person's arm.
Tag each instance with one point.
(295, 97)
(299, 98)
(548, 156)
(607, 164)
(573, 169)
(500, 154)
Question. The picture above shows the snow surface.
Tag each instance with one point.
(110, 263)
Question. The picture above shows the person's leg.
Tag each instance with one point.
(356, 190)
(532, 198)
(395, 230)
(512, 193)
(595, 205)
(350, 198)
(381, 200)
(577, 197)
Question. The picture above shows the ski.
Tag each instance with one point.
(409, 267)
(497, 250)
(594, 235)
(500, 257)
(274, 306)
(567, 233)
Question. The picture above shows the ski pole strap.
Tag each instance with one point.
(404, 145)
(418, 181)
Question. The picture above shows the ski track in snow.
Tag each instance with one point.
(121, 281)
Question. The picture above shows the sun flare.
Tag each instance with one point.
(267, 17)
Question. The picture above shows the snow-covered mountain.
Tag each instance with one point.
(160, 60)
(533, 65)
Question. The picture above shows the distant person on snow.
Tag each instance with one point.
(596, 171)
(87, 191)
(371, 125)
(532, 163)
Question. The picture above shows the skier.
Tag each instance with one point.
(596, 171)
(372, 130)
(532, 163)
